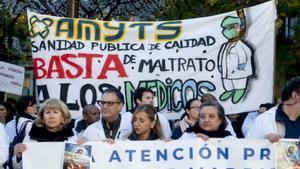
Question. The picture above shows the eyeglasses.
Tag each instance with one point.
(195, 107)
(108, 103)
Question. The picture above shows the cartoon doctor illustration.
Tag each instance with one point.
(234, 59)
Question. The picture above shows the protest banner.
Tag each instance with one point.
(11, 78)
(177, 154)
(230, 55)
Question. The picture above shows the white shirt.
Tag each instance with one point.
(4, 145)
(263, 125)
(11, 127)
(249, 121)
(229, 127)
(95, 131)
(165, 126)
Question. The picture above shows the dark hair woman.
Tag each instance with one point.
(26, 112)
(6, 112)
(211, 123)
(189, 118)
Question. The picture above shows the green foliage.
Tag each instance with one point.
(13, 26)
(288, 7)
(21, 27)
(184, 9)
(279, 23)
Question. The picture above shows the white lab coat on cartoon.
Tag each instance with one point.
(235, 61)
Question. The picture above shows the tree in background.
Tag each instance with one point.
(12, 26)
(13, 22)
(288, 42)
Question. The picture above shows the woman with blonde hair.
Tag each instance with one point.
(145, 124)
(53, 124)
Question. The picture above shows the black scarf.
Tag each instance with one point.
(27, 115)
(111, 128)
(41, 134)
(220, 133)
(134, 136)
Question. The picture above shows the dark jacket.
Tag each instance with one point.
(177, 133)
(134, 136)
(41, 134)
(220, 133)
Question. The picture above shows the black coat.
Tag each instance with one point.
(220, 133)
(41, 134)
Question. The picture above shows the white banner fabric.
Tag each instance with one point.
(178, 154)
(230, 55)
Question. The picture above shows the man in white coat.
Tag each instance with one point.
(282, 121)
(113, 125)
(90, 114)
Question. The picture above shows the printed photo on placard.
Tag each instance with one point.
(77, 156)
(288, 154)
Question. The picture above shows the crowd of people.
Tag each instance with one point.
(203, 118)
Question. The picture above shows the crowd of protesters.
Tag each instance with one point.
(203, 118)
